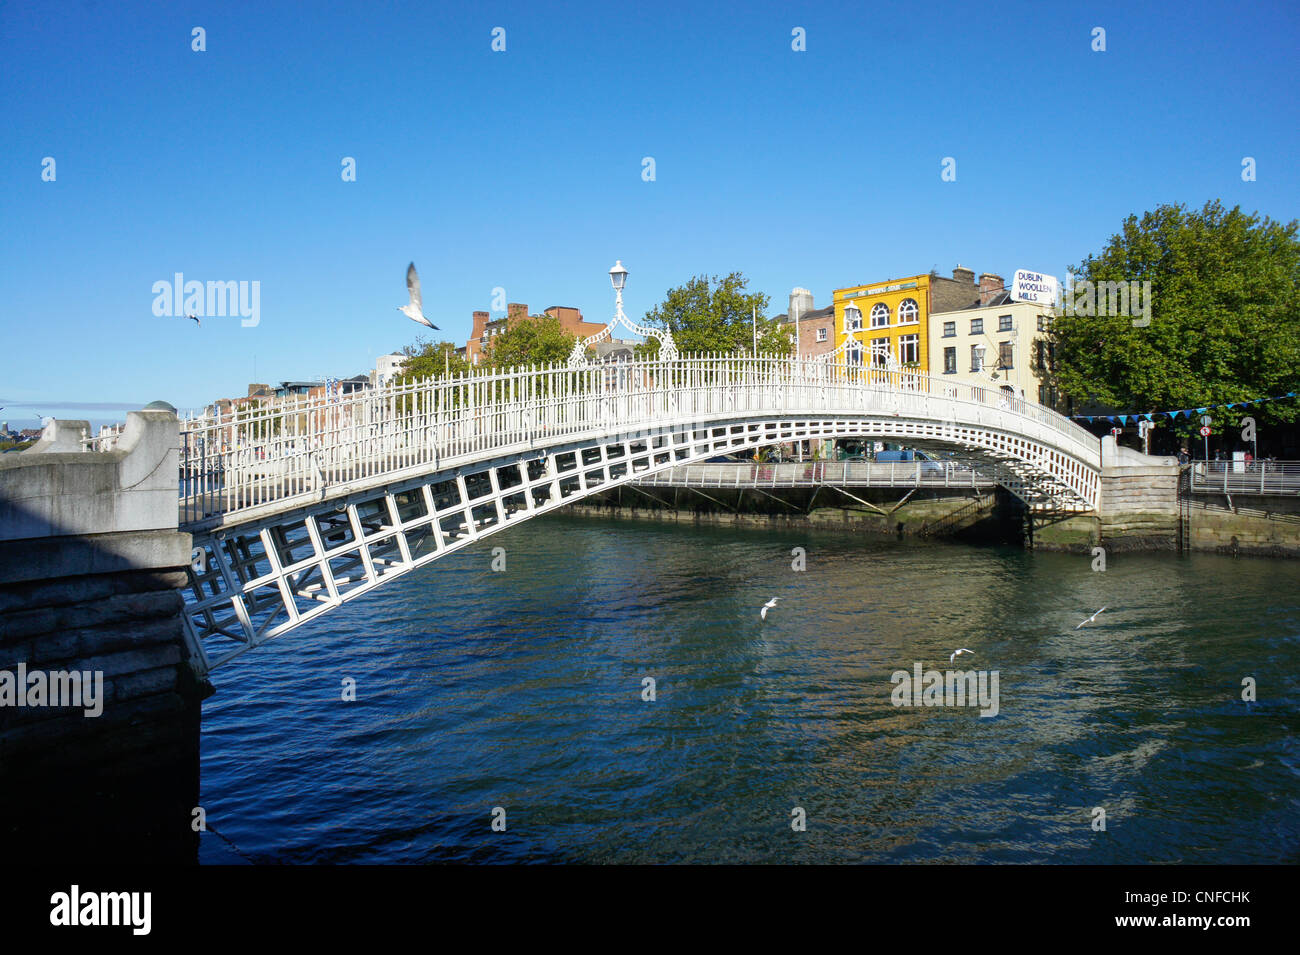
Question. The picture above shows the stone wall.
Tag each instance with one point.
(91, 566)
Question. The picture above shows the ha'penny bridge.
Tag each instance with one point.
(298, 508)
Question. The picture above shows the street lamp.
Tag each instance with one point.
(618, 276)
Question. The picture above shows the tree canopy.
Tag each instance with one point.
(427, 359)
(1224, 317)
(536, 340)
(715, 315)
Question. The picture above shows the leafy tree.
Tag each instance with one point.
(426, 359)
(715, 315)
(1225, 315)
(536, 340)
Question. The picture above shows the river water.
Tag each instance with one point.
(524, 689)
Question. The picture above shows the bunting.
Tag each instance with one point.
(1173, 415)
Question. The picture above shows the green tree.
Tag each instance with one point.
(427, 359)
(536, 340)
(1225, 315)
(716, 315)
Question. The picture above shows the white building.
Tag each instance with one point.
(1002, 344)
(387, 367)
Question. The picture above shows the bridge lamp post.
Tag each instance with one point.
(618, 278)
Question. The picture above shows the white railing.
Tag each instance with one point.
(256, 456)
(1238, 477)
(814, 473)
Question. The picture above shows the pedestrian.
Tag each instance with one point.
(1183, 456)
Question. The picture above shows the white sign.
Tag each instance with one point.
(1034, 287)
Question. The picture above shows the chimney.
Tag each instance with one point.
(801, 303)
(515, 310)
(480, 322)
(962, 274)
(990, 287)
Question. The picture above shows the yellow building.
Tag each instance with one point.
(891, 319)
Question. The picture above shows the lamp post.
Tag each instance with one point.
(618, 278)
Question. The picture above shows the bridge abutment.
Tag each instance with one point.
(99, 703)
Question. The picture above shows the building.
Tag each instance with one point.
(483, 330)
(812, 328)
(387, 367)
(892, 317)
(996, 342)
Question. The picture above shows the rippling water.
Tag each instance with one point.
(523, 690)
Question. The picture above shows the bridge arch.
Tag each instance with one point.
(297, 510)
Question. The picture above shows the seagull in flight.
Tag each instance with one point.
(957, 653)
(195, 320)
(415, 310)
(768, 606)
(1092, 618)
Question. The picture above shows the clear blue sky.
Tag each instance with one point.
(522, 169)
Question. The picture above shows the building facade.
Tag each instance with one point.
(999, 344)
(812, 329)
(892, 318)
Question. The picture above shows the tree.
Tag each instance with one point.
(536, 340)
(426, 359)
(1224, 315)
(716, 316)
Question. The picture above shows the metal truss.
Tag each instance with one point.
(257, 575)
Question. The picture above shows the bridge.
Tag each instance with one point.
(297, 508)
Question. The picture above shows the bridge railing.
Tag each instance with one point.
(258, 454)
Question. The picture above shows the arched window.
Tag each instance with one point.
(908, 311)
(879, 315)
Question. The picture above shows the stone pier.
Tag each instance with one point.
(91, 563)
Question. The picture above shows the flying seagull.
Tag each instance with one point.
(195, 320)
(414, 311)
(1092, 618)
(957, 653)
(768, 606)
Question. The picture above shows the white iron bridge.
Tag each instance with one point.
(300, 506)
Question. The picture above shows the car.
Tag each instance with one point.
(928, 464)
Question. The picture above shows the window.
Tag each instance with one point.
(880, 315)
(879, 352)
(821, 334)
(1040, 355)
(1005, 356)
(1004, 323)
(852, 318)
(949, 329)
(976, 357)
(1047, 396)
(950, 361)
(908, 313)
(1042, 323)
(977, 326)
(909, 349)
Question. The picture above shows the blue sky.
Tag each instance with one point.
(523, 169)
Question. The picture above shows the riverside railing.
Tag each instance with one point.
(1238, 477)
(260, 454)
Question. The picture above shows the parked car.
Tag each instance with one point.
(929, 465)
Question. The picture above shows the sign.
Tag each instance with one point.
(1205, 431)
(1034, 287)
(1206, 419)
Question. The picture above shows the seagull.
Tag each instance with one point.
(957, 653)
(195, 320)
(1091, 619)
(414, 311)
(768, 606)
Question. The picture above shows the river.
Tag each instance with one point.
(523, 690)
